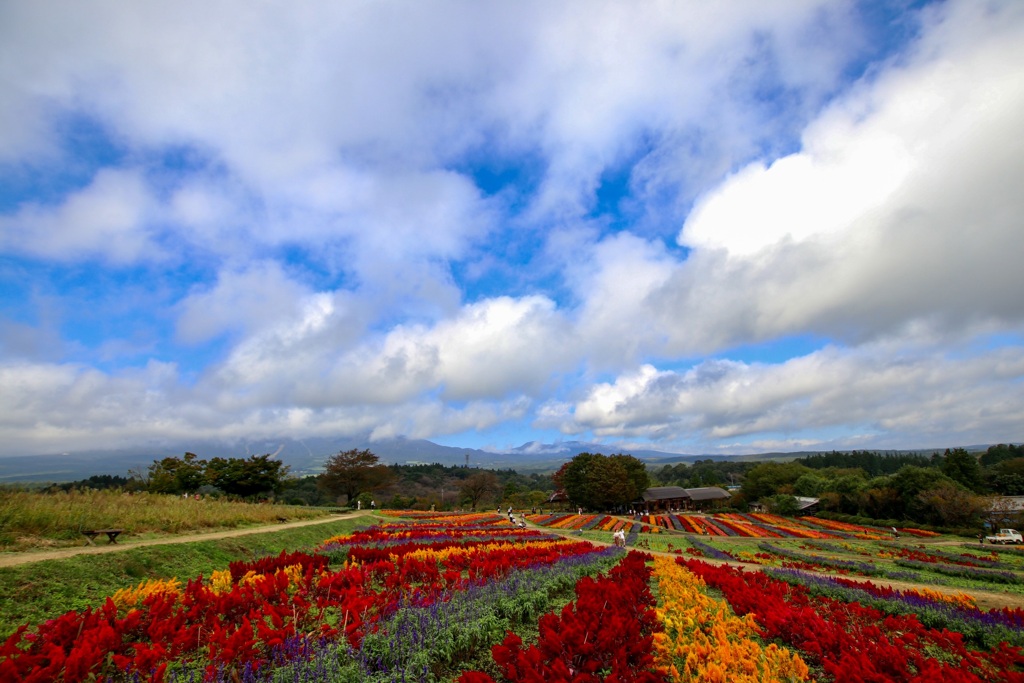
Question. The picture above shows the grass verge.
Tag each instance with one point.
(33, 520)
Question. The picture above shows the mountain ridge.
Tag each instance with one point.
(306, 456)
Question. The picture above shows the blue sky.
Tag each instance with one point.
(698, 227)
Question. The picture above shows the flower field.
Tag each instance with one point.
(763, 525)
(569, 521)
(471, 599)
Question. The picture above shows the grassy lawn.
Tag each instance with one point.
(37, 520)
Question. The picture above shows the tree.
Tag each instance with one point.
(770, 478)
(177, 475)
(636, 474)
(478, 486)
(910, 481)
(781, 504)
(882, 501)
(952, 506)
(352, 472)
(810, 485)
(962, 467)
(254, 476)
(1000, 452)
(599, 482)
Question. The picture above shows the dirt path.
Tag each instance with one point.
(15, 559)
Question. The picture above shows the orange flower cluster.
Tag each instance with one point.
(130, 597)
(704, 641)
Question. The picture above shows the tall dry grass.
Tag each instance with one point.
(29, 519)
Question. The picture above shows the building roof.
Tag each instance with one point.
(804, 502)
(708, 493)
(664, 493)
(678, 492)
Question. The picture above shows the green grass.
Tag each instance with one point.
(34, 520)
(33, 592)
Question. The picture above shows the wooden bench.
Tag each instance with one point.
(91, 534)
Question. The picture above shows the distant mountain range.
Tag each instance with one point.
(306, 456)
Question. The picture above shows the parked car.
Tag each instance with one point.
(1006, 536)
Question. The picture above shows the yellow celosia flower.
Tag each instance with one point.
(130, 597)
(704, 641)
(220, 581)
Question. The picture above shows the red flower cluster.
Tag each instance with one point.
(853, 643)
(267, 602)
(606, 636)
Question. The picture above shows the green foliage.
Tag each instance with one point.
(258, 475)
(873, 463)
(599, 482)
(255, 476)
(911, 481)
(703, 473)
(962, 467)
(1005, 477)
(781, 504)
(352, 472)
(810, 485)
(951, 506)
(770, 478)
(100, 482)
(636, 473)
(1001, 452)
(177, 475)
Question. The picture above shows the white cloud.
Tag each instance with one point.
(340, 132)
(614, 279)
(493, 349)
(898, 210)
(243, 299)
(881, 395)
(107, 220)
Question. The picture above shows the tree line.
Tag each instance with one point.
(952, 489)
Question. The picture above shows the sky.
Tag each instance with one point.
(711, 228)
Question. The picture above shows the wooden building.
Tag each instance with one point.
(663, 498)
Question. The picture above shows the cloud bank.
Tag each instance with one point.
(699, 228)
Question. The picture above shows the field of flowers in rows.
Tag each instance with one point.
(769, 525)
(962, 565)
(471, 599)
(755, 525)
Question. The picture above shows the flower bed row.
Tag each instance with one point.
(586, 522)
(761, 525)
(955, 612)
(703, 641)
(241, 618)
(606, 635)
(852, 642)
